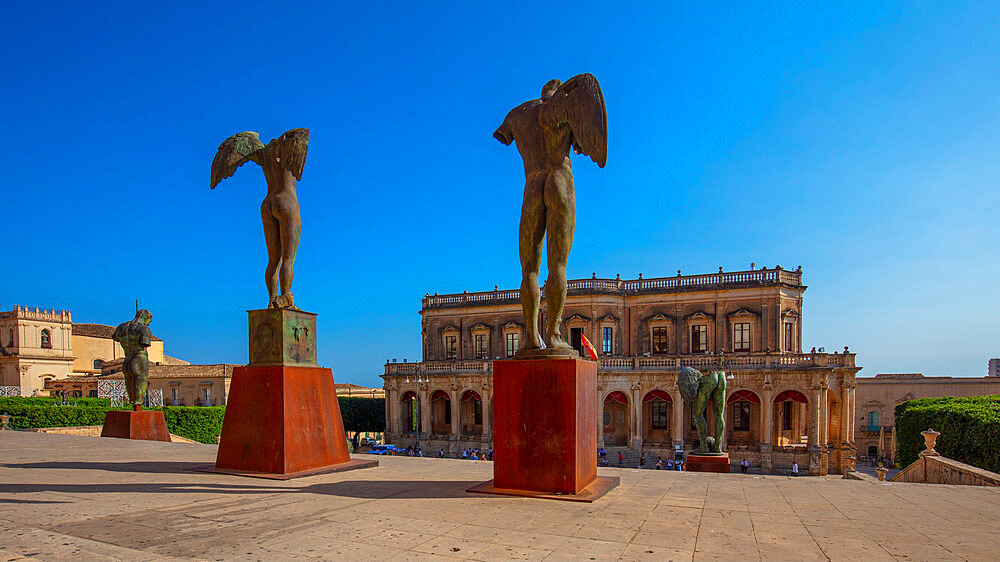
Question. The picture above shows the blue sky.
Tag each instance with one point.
(860, 143)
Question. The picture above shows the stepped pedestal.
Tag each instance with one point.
(282, 417)
(707, 463)
(545, 430)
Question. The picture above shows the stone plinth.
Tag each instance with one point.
(707, 463)
(149, 425)
(280, 336)
(545, 429)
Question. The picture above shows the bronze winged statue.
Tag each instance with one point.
(282, 160)
(570, 114)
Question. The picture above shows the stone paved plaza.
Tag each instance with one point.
(83, 498)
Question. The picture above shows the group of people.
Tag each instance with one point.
(472, 454)
(602, 457)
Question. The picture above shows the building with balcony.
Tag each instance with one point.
(785, 405)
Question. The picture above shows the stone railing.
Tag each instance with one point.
(941, 470)
(624, 286)
(651, 363)
(35, 313)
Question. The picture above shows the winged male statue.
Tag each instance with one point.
(282, 160)
(570, 114)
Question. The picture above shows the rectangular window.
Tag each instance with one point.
(786, 415)
(479, 343)
(873, 419)
(511, 344)
(741, 416)
(789, 336)
(659, 414)
(93, 394)
(608, 340)
(451, 347)
(659, 340)
(699, 339)
(741, 336)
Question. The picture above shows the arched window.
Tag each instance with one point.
(46, 339)
(98, 364)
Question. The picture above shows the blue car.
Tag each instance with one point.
(386, 450)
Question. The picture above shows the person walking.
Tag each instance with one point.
(620, 465)
(642, 460)
(795, 469)
(659, 463)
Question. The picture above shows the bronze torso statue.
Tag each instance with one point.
(697, 390)
(134, 337)
(567, 115)
(282, 160)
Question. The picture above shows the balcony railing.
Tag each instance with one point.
(876, 428)
(624, 286)
(651, 363)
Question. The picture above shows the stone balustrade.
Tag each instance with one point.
(652, 363)
(625, 286)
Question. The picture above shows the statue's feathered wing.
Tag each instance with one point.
(290, 149)
(233, 153)
(579, 102)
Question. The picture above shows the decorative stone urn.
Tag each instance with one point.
(930, 439)
(881, 473)
(4, 418)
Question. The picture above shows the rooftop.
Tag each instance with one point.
(97, 331)
(64, 496)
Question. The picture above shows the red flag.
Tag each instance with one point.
(589, 347)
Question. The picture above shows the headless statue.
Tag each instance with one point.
(134, 337)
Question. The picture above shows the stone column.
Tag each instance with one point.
(456, 414)
(677, 426)
(390, 419)
(487, 419)
(845, 417)
(636, 419)
(814, 414)
(600, 416)
(425, 412)
(850, 414)
(767, 415)
(824, 417)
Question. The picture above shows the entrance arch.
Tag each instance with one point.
(743, 418)
(409, 406)
(616, 419)
(657, 413)
(440, 412)
(791, 421)
(471, 413)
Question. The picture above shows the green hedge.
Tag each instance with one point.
(970, 429)
(51, 401)
(201, 424)
(362, 414)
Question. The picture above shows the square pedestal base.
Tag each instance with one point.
(148, 425)
(545, 428)
(282, 420)
(600, 486)
(353, 464)
(707, 463)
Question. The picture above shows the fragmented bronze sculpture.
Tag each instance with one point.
(282, 160)
(697, 390)
(134, 337)
(567, 115)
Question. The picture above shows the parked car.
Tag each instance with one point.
(386, 450)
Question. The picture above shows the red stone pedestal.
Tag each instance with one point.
(283, 422)
(707, 463)
(148, 425)
(545, 430)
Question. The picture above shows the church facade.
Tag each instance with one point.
(784, 404)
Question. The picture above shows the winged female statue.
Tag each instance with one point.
(282, 160)
(570, 114)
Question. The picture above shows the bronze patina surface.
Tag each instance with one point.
(282, 160)
(282, 336)
(697, 390)
(134, 337)
(567, 115)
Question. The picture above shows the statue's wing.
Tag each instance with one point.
(580, 103)
(290, 150)
(233, 153)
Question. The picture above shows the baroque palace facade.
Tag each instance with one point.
(784, 405)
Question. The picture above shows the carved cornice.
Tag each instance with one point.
(699, 315)
(576, 318)
(742, 312)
